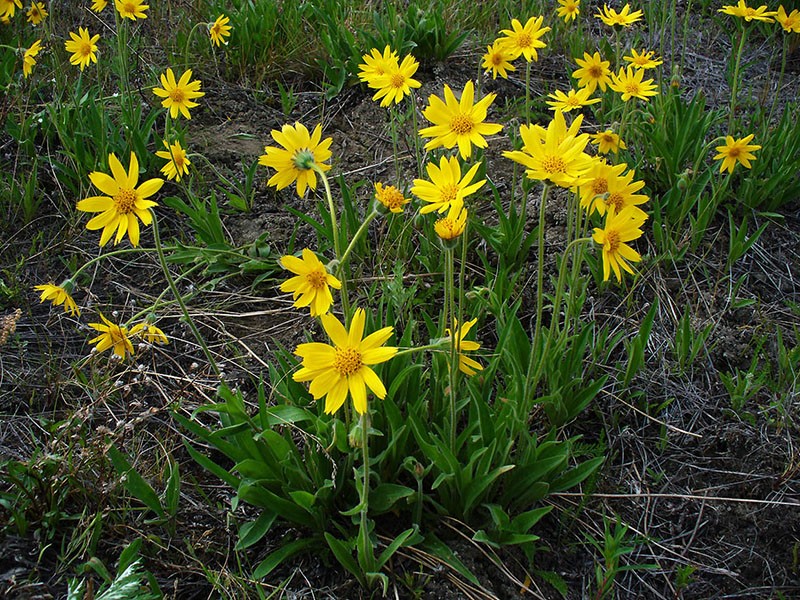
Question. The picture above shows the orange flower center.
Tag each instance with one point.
(617, 201)
(554, 164)
(84, 49)
(317, 279)
(177, 95)
(734, 152)
(633, 88)
(124, 200)
(524, 40)
(573, 102)
(496, 59)
(595, 71)
(462, 124)
(447, 229)
(391, 198)
(347, 361)
(129, 7)
(599, 186)
(448, 193)
(398, 80)
(612, 240)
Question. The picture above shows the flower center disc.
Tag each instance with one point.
(616, 200)
(347, 361)
(317, 279)
(449, 193)
(612, 240)
(177, 95)
(599, 186)
(124, 201)
(524, 40)
(398, 80)
(595, 71)
(554, 164)
(461, 124)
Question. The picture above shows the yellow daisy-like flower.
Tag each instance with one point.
(595, 183)
(82, 47)
(396, 83)
(623, 18)
(457, 122)
(594, 72)
(628, 82)
(790, 22)
(295, 161)
(219, 30)
(178, 96)
(569, 9)
(453, 225)
(571, 100)
(131, 9)
(177, 162)
(645, 60)
(99, 6)
(112, 336)
(498, 60)
(390, 198)
(446, 187)
(619, 228)
(621, 195)
(608, 141)
(376, 65)
(734, 151)
(334, 370)
(149, 333)
(124, 202)
(28, 60)
(58, 295)
(8, 8)
(524, 40)
(749, 14)
(312, 283)
(36, 13)
(554, 155)
(466, 365)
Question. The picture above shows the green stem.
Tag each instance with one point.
(157, 303)
(188, 43)
(735, 83)
(396, 154)
(562, 273)
(337, 248)
(417, 153)
(449, 269)
(367, 220)
(364, 528)
(528, 93)
(780, 77)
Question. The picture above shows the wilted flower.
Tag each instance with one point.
(28, 60)
(466, 365)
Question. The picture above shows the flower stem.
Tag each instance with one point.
(735, 83)
(393, 125)
(188, 43)
(367, 220)
(450, 316)
(528, 93)
(337, 248)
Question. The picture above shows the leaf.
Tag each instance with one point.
(344, 554)
(274, 559)
(440, 550)
(386, 495)
(253, 531)
(574, 476)
(135, 483)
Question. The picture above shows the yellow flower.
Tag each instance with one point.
(446, 186)
(628, 82)
(58, 295)
(569, 9)
(790, 22)
(453, 225)
(396, 83)
(608, 141)
(571, 100)
(149, 332)
(736, 151)
(112, 336)
(178, 96)
(497, 60)
(131, 9)
(334, 370)
(620, 228)
(36, 13)
(124, 201)
(219, 30)
(466, 365)
(177, 162)
(376, 65)
(749, 14)
(621, 195)
(645, 60)
(595, 183)
(593, 72)
(523, 41)
(299, 154)
(458, 122)
(99, 6)
(624, 18)
(28, 60)
(555, 154)
(390, 198)
(9, 7)
(83, 47)
(312, 283)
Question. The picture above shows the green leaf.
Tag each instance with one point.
(574, 476)
(386, 495)
(343, 551)
(440, 550)
(135, 483)
(274, 559)
(253, 531)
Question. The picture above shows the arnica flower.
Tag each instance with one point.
(608, 141)
(736, 151)
(553, 155)
(569, 9)
(498, 60)
(595, 182)
(82, 47)
(99, 6)
(112, 336)
(36, 13)
(149, 333)
(312, 283)
(452, 226)
(645, 60)
(790, 22)
(446, 186)
(396, 83)
(594, 72)
(8, 8)
(219, 30)
(749, 14)
(131, 9)
(524, 40)
(623, 18)
(628, 82)
(376, 65)
(390, 198)
(571, 100)
(466, 365)
(619, 228)
(28, 60)
(334, 370)
(124, 202)
(457, 122)
(178, 96)
(58, 295)
(177, 163)
(621, 195)
(301, 151)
